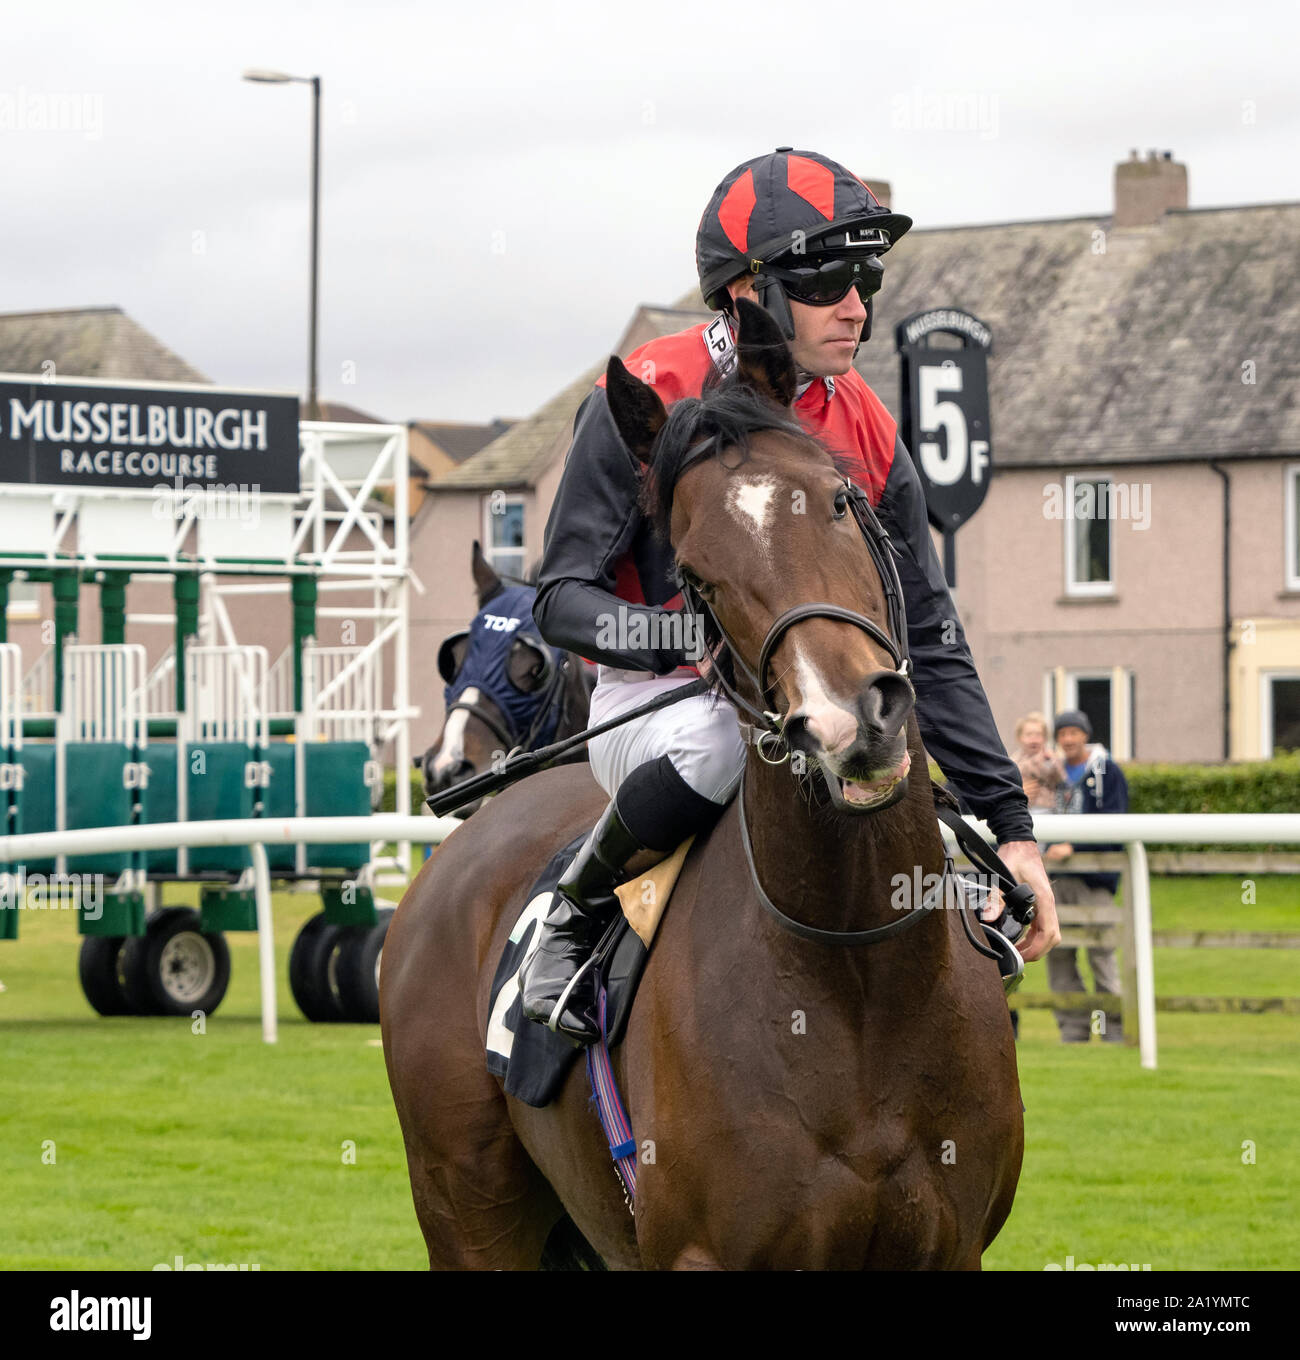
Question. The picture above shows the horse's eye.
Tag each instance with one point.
(841, 503)
(688, 578)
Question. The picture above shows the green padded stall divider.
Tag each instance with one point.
(218, 791)
(335, 776)
(277, 801)
(121, 914)
(224, 909)
(36, 801)
(158, 801)
(96, 796)
(348, 905)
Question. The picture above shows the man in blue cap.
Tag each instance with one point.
(1093, 783)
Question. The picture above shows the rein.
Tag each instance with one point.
(850, 938)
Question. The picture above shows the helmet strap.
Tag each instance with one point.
(772, 298)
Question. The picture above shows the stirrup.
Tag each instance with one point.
(1011, 962)
(554, 1020)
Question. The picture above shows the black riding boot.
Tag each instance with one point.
(583, 910)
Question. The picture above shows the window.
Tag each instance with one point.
(1279, 712)
(503, 533)
(1108, 697)
(24, 599)
(1089, 551)
(1292, 500)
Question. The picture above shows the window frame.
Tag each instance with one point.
(24, 609)
(1087, 589)
(1266, 678)
(489, 549)
(1291, 528)
(1123, 724)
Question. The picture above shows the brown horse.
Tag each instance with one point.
(549, 705)
(797, 1102)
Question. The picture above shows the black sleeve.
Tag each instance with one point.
(952, 709)
(593, 521)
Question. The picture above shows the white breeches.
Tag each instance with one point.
(700, 735)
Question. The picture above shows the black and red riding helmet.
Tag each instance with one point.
(799, 212)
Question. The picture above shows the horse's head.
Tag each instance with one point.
(761, 522)
(498, 675)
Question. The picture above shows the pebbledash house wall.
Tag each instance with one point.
(1164, 618)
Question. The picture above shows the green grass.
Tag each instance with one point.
(219, 1148)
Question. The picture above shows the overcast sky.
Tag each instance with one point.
(504, 182)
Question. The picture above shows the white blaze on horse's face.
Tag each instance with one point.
(452, 747)
(831, 722)
(751, 500)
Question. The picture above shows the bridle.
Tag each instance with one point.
(769, 725)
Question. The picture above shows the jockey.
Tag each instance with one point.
(803, 237)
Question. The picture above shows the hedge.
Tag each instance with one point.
(1246, 786)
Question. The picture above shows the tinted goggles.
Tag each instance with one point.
(820, 282)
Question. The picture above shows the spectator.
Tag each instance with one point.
(1042, 770)
(1093, 783)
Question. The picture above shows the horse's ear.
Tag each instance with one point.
(764, 358)
(638, 413)
(486, 581)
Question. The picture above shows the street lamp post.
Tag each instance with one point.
(281, 78)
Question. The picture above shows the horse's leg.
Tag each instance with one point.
(480, 1201)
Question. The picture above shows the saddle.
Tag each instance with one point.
(531, 1061)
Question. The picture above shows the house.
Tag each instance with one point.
(88, 342)
(438, 447)
(1138, 553)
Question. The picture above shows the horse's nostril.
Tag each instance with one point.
(884, 703)
(796, 733)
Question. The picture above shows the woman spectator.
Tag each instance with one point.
(1041, 768)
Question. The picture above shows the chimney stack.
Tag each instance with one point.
(1146, 189)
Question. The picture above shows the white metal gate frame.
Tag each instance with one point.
(103, 701)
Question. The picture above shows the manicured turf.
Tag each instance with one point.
(220, 1149)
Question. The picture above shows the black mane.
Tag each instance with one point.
(726, 412)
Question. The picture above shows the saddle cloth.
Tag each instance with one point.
(532, 1061)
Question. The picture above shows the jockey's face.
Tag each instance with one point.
(824, 337)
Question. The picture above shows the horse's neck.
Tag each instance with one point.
(838, 872)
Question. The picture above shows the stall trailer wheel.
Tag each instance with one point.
(174, 968)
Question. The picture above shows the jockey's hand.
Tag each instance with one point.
(1026, 866)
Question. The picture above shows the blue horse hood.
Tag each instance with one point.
(506, 618)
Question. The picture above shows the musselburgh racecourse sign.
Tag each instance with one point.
(136, 438)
